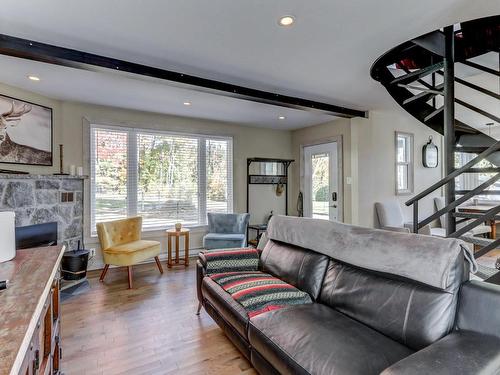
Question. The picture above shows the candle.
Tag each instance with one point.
(72, 170)
(8, 236)
(80, 171)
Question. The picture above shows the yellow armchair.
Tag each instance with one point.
(121, 245)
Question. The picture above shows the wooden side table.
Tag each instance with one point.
(177, 235)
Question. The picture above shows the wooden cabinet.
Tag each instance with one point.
(44, 354)
(30, 338)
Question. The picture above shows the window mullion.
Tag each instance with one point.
(202, 180)
(132, 173)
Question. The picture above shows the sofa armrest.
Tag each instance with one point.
(200, 274)
(457, 353)
(479, 308)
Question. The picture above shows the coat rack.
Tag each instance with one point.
(269, 179)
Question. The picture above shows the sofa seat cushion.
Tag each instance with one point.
(223, 240)
(259, 292)
(131, 253)
(316, 339)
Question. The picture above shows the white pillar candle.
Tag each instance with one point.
(80, 171)
(72, 170)
(7, 236)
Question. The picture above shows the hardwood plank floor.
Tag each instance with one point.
(151, 329)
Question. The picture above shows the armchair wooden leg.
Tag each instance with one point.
(129, 277)
(199, 308)
(103, 273)
(159, 264)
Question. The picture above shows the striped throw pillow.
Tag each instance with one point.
(234, 260)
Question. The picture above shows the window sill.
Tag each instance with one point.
(160, 231)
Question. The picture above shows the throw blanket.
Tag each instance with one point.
(231, 260)
(259, 292)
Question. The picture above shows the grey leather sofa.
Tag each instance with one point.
(383, 302)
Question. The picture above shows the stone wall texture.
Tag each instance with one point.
(36, 199)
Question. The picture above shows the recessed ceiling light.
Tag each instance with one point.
(187, 103)
(34, 78)
(281, 117)
(286, 20)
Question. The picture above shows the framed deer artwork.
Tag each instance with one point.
(25, 132)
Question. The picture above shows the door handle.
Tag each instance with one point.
(334, 196)
(334, 206)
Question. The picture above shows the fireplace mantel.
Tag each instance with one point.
(40, 176)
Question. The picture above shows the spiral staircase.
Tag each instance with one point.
(449, 80)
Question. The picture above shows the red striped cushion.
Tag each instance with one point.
(234, 260)
(259, 292)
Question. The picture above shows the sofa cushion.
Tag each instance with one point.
(223, 240)
(316, 339)
(414, 314)
(259, 292)
(300, 267)
(231, 310)
(233, 260)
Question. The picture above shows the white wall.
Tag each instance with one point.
(368, 154)
(320, 134)
(69, 119)
(369, 159)
(374, 163)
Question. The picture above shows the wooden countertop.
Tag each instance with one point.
(30, 273)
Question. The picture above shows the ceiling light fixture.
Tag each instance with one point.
(187, 104)
(281, 117)
(286, 21)
(34, 78)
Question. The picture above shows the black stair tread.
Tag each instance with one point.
(433, 113)
(478, 110)
(423, 96)
(469, 149)
(481, 67)
(410, 77)
(470, 215)
(433, 42)
(484, 192)
(484, 170)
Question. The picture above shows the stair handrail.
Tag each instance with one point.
(457, 172)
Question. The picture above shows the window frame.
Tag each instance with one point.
(133, 164)
(410, 163)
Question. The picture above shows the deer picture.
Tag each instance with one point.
(13, 152)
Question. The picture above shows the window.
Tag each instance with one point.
(163, 177)
(469, 181)
(404, 163)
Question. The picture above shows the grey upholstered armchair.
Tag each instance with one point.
(390, 217)
(226, 231)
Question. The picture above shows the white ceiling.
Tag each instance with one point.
(325, 56)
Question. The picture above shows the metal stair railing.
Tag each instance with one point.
(467, 168)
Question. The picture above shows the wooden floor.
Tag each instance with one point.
(151, 329)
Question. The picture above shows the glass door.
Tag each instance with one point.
(321, 182)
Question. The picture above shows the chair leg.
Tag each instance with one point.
(159, 264)
(199, 308)
(129, 277)
(103, 273)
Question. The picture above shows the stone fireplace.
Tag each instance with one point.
(38, 199)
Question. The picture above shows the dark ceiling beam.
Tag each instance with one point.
(46, 53)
